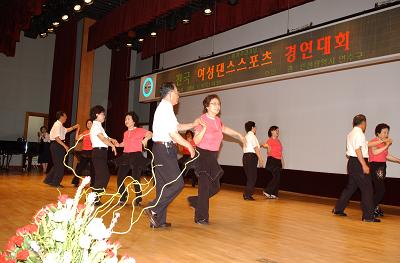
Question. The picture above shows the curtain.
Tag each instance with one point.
(118, 93)
(62, 82)
(15, 16)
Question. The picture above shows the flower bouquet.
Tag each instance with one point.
(66, 232)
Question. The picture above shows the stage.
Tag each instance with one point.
(295, 228)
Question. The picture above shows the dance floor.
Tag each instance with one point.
(295, 228)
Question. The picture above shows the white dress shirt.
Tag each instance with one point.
(356, 140)
(164, 122)
(58, 130)
(95, 130)
(251, 143)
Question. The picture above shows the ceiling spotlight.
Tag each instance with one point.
(88, 2)
(153, 33)
(77, 7)
(207, 11)
(129, 44)
(43, 35)
(186, 20)
(65, 17)
(56, 23)
(141, 39)
(50, 30)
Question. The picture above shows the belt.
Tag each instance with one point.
(166, 144)
(100, 148)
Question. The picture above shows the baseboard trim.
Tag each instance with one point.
(310, 183)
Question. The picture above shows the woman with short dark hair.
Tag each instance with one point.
(44, 150)
(100, 143)
(132, 158)
(251, 156)
(274, 162)
(85, 155)
(208, 138)
(378, 155)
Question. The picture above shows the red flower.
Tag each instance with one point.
(10, 246)
(3, 258)
(51, 206)
(18, 241)
(110, 253)
(63, 198)
(39, 214)
(23, 255)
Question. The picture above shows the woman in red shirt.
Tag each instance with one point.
(378, 155)
(208, 138)
(132, 158)
(85, 155)
(274, 162)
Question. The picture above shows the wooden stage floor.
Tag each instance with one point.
(294, 228)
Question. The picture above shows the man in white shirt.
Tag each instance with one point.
(165, 134)
(58, 149)
(358, 170)
(251, 156)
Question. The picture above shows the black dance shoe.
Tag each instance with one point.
(338, 213)
(201, 221)
(248, 198)
(165, 225)
(378, 211)
(372, 220)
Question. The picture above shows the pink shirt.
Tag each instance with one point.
(381, 158)
(133, 140)
(86, 142)
(276, 148)
(213, 136)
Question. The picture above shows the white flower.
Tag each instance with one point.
(61, 216)
(67, 257)
(99, 246)
(78, 223)
(84, 242)
(59, 235)
(85, 181)
(98, 230)
(50, 258)
(69, 202)
(127, 260)
(91, 198)
(34, 245)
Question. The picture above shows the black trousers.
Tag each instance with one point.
(357, 179)
(189, 169)
(378, 174)
(168, 171)
(250, 161)
(273, 166)
(56, 174)
(210, 174)
(85, 159)
(101, 173)
(136, 163)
